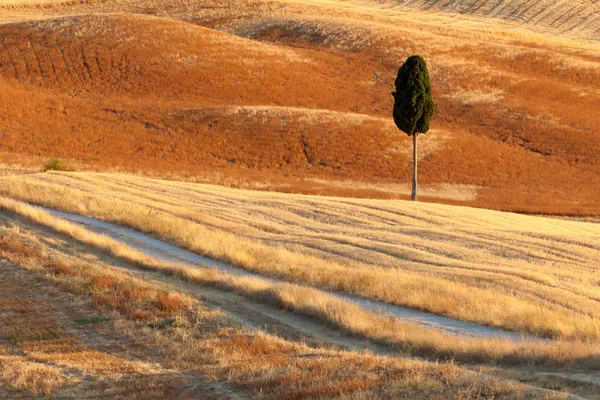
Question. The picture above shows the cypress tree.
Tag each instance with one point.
(413, 105)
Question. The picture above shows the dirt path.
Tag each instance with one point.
(167, 252)
(252, 314)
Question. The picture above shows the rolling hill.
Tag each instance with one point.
(578, 18)
(142, 267)
(295, 96)
(271, 295)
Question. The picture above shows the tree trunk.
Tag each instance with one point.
(414, 181)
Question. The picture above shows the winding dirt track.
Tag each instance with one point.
(259, 316)
(167, 252)
(264, 317)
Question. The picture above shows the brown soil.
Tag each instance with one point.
(286, 96)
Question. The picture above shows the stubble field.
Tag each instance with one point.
(258, 134)
(294, 96)
(531, 275)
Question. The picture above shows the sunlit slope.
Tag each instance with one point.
(519, 272)
(566, 16)
(144, 56)
(284, 94)
(179, 101)
(76, 303)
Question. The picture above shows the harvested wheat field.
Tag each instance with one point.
(294, 95)
(313, 266)
(206, 199)
(78, 325)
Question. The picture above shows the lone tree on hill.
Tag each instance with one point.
(413, 106)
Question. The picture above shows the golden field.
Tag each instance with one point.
(519, 272)
(79, 324)
(258, 134)
(444, 259)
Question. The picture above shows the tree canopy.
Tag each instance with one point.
(413, 106)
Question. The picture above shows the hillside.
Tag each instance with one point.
(577, 18)
(295, 96)
(254, 293)
(518, 272)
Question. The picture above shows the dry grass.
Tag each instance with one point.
(518, 272)
(202, 350)
(174, 99)
(349, 317)
(47, 355)
(576, 18)
(31, 377)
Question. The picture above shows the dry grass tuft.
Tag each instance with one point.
(16, 246)
(34, 378)
(170, 303)
(56, 165)
(104, 282)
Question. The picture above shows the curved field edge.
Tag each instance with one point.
(402, 287)
(201, 353)
(578, 19)
(340, 314)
